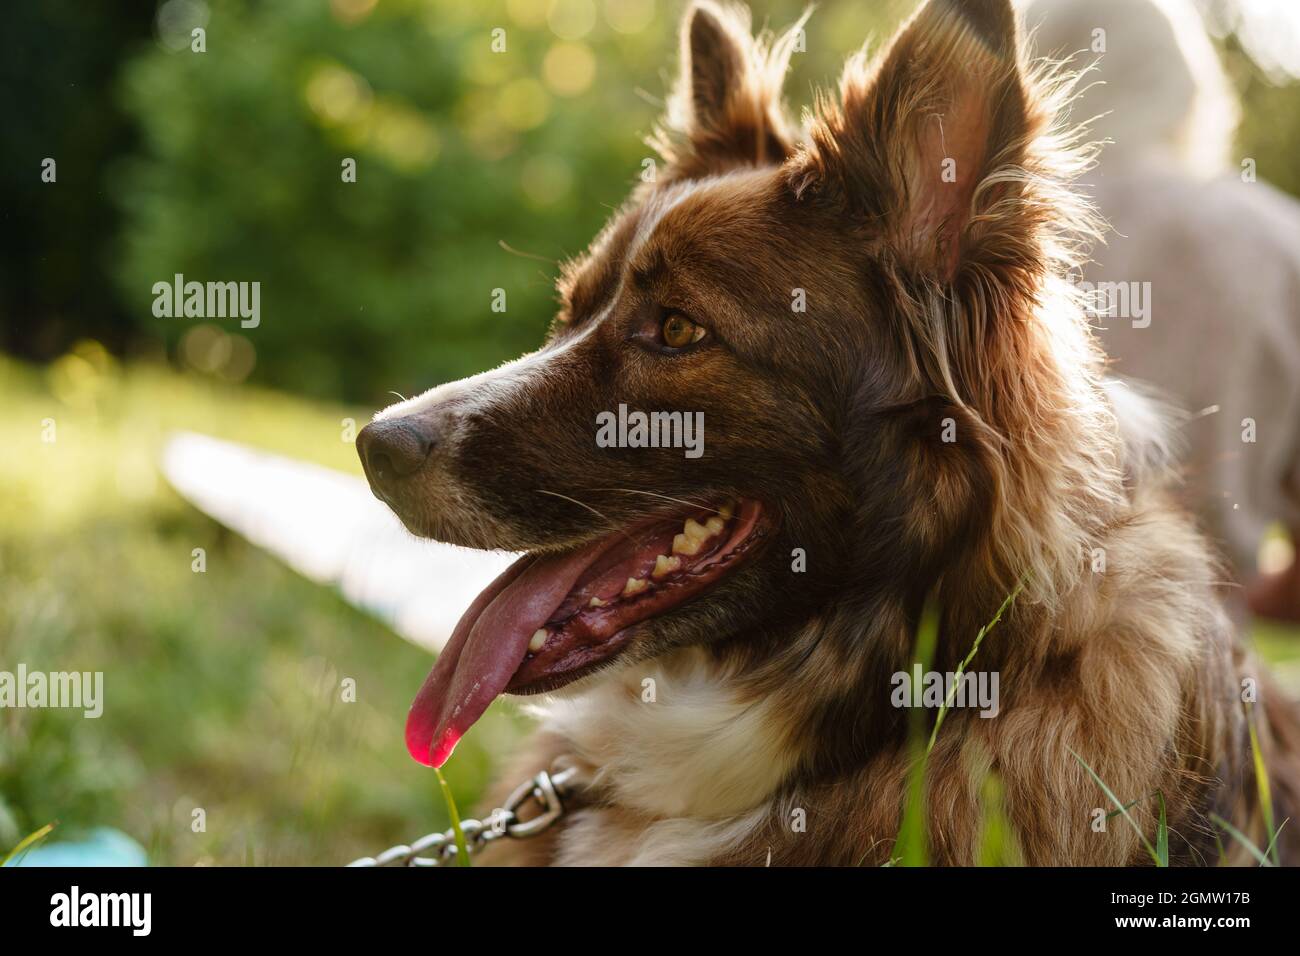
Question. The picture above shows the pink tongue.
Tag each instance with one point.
(486, 649)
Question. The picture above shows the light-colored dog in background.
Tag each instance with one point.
(1205, 262)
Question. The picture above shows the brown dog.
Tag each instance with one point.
(900, 401)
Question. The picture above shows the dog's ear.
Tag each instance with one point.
(919, 129)
(726, 110)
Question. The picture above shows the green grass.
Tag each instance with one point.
(1158, 857)
(221, 689)
(997, 843)
(911, 848)
(462, 851)
(996, 839)
(26, 843)
(1268, 856)
(961, 668)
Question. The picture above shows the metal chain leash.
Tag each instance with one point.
(546, 791)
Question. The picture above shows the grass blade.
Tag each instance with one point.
(910, 848)
(1271, 850)
(961, 668)
(1242, 839)
(1114, 813)
(1162, 834)
(1115, 800)
(998, 845)
(462, 851)
(1261, 777)
(27, 843)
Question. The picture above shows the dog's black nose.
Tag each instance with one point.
(394, 448)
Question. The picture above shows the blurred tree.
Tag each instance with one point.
(388, 281)
(470, 124)
(519, 121)
(58, 59)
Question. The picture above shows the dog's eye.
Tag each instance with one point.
(678, 331)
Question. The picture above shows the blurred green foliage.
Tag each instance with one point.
(386, 282)
(463, 137)
(1270, 121)
(228, 167)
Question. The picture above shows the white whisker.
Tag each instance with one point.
(682, 501)
(604, 517)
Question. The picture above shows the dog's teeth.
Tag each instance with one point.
(695, 531)
(635, 586)
(685, 545)
(715, 524)
(726, 511)
(666, 565)
(539, 638)
(595, 602)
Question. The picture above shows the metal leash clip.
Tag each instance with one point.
(546, 791)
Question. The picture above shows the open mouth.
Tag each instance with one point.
(550, 619)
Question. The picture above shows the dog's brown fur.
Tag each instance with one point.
(932, 305)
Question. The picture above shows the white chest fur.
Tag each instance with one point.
(688, 764)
